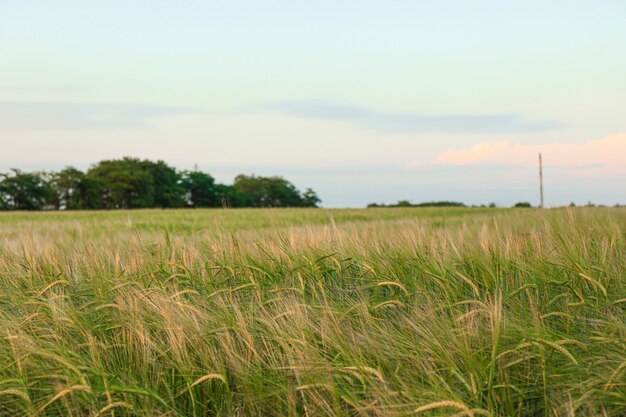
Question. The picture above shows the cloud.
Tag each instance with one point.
(609, 151)
(50, 90)
(390, 122)
(53, 115)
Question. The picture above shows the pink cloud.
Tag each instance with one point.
(609, 151)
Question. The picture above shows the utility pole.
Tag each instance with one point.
(540, 182)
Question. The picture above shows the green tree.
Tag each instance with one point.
(310, 198)
(169, 191)
(267, 191)
(24, 191)
(74, 190)
(229, 196)
(126, 183)
(134, 183)
(200, 189)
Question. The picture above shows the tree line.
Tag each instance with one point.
(407, 203)
(130, 183)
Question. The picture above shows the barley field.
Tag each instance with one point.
(313, 312)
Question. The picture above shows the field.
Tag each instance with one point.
(311, 312)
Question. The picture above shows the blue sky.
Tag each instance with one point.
(361, 100)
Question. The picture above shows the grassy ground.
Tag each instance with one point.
(381, 312)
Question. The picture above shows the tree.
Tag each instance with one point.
(74, 190)
(126, 183)
(251, 190)
(169, 191)
(129, 183)
(133, 183)
(267, 192)
(522, 204)
(310, 198)
(24, 191)
(229, 196)
(200, 190)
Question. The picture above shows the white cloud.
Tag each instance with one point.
(68, 116)
(608, 152)
(394, 122)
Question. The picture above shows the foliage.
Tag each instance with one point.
(272, 192)
(310, 198)
(407, 203)
(201, 190)
(131, 183)
(229, 196)
(168, 190)
(24, 191)
(127, 183)
(74, 190)
(522, 204)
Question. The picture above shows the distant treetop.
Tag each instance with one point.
(406, 203)
(130, 183)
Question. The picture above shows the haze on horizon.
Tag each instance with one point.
(362, 101)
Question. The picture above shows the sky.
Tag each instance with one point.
(364, 101)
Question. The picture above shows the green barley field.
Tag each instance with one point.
(313, 312)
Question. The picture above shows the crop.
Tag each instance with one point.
(311, 312)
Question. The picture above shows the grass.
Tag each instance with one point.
(378, 312)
